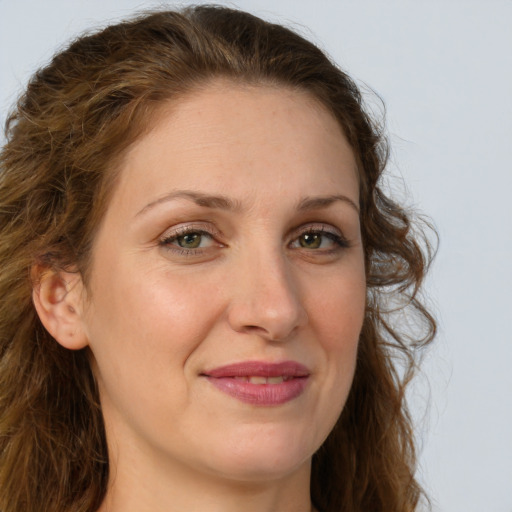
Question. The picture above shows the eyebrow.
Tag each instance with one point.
(204, 200)
(222, 202)
(315, 203)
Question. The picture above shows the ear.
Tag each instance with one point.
(58, 299)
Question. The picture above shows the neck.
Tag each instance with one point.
(137, 487)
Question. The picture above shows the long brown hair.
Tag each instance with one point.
(57, 171)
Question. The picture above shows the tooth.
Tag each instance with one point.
(258, 380)
(275, 380)
(244, 379)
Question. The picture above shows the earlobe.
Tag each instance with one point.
(57, 297)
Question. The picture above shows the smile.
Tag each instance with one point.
(260, 383)
(263, 380)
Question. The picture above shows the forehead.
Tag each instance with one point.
(226, 135)
(221, 105)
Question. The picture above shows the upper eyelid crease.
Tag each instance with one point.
(334, 234)
(200, 228)
(318, 227)
(171, 237)
(184, 228)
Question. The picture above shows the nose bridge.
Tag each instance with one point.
(266, 299)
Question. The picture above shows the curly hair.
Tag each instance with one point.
(58, 167)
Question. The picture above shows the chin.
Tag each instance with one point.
(257, 470)
(261, 457)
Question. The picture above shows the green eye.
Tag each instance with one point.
(311, 240)
(189, 240)
(320, 241)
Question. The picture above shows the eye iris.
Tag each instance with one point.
(189, 241)
(311, 241)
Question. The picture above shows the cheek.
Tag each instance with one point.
(142, 325)
(336, 315)
(143, 330)
(338, 307)
(156, 311)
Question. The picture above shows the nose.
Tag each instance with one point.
(266, 300)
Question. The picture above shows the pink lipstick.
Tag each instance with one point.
(260, 383)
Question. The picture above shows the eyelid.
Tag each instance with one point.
(166, 241)
(190, 227)
(318, 227)
(328, 230)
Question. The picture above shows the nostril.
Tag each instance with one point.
(272, 334)
(256, 330)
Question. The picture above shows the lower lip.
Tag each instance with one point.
(261, 394)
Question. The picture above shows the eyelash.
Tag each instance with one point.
(339, 240)
(168, 242)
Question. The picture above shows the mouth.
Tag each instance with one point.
(255, 379)
(260, 383)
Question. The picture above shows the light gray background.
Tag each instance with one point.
(444, 71)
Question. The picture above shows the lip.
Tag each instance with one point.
(230, 380)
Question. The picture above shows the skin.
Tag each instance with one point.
(156, 317)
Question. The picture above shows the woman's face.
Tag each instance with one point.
(227, 289)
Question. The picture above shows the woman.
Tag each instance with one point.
(199, 268)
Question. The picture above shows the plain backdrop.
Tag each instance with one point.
(444, 71)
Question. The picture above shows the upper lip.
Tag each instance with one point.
(259, 369)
